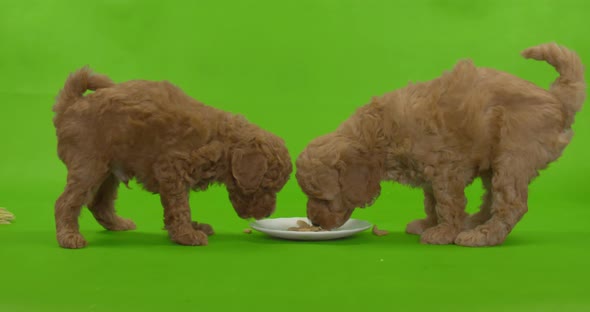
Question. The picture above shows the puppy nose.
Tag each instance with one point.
(315, 224)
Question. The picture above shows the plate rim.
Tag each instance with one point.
(255, 226)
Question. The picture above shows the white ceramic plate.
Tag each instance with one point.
(278, 228)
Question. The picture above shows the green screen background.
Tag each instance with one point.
(298, 69)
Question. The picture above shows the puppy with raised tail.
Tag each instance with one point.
(439, 136)
(170, 143)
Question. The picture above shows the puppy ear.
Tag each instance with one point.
(326, 180)
(360, 183)
(317, 179)
(248, 168)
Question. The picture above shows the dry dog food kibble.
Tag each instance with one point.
(379, 232)
(302, 223)
(248, 231)
(303, 226)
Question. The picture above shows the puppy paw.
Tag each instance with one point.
(417, 227)
(120, 225)
(474, 220)
(71, 240)
(441, 234)
(204, 227)
(483, 235)
(191, 238)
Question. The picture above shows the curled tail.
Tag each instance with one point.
(569, 87)
(75, 86)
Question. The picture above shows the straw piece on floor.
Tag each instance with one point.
(6, 217)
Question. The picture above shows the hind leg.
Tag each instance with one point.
(509, 203)
(83, 182)
(418, 226)
(485, 210)
(103, 207)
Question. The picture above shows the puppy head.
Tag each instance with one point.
(336, 177)
(259, 170)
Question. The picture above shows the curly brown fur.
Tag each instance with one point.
(441, 135)
(170, 143)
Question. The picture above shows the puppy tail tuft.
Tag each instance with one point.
(78, 83)
(569, 87)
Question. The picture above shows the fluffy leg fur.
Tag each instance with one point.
(83, 181)
(417, 227)
(485, 210)
(103, 207)
(509, 204)
(177, 217)
(174, 195)
(448, 190)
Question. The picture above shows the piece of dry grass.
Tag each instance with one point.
(6, 217)
(379, 232)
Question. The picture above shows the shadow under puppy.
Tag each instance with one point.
(442, 134)
(170, 143)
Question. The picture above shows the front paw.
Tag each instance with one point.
(204, 227)
(441, 234)
(417, 227)
(120, 224)
(71, 240)
(474, 220)
(483, 235)
(191, 237)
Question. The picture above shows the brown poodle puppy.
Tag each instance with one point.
(442, 134)
(170, 143)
